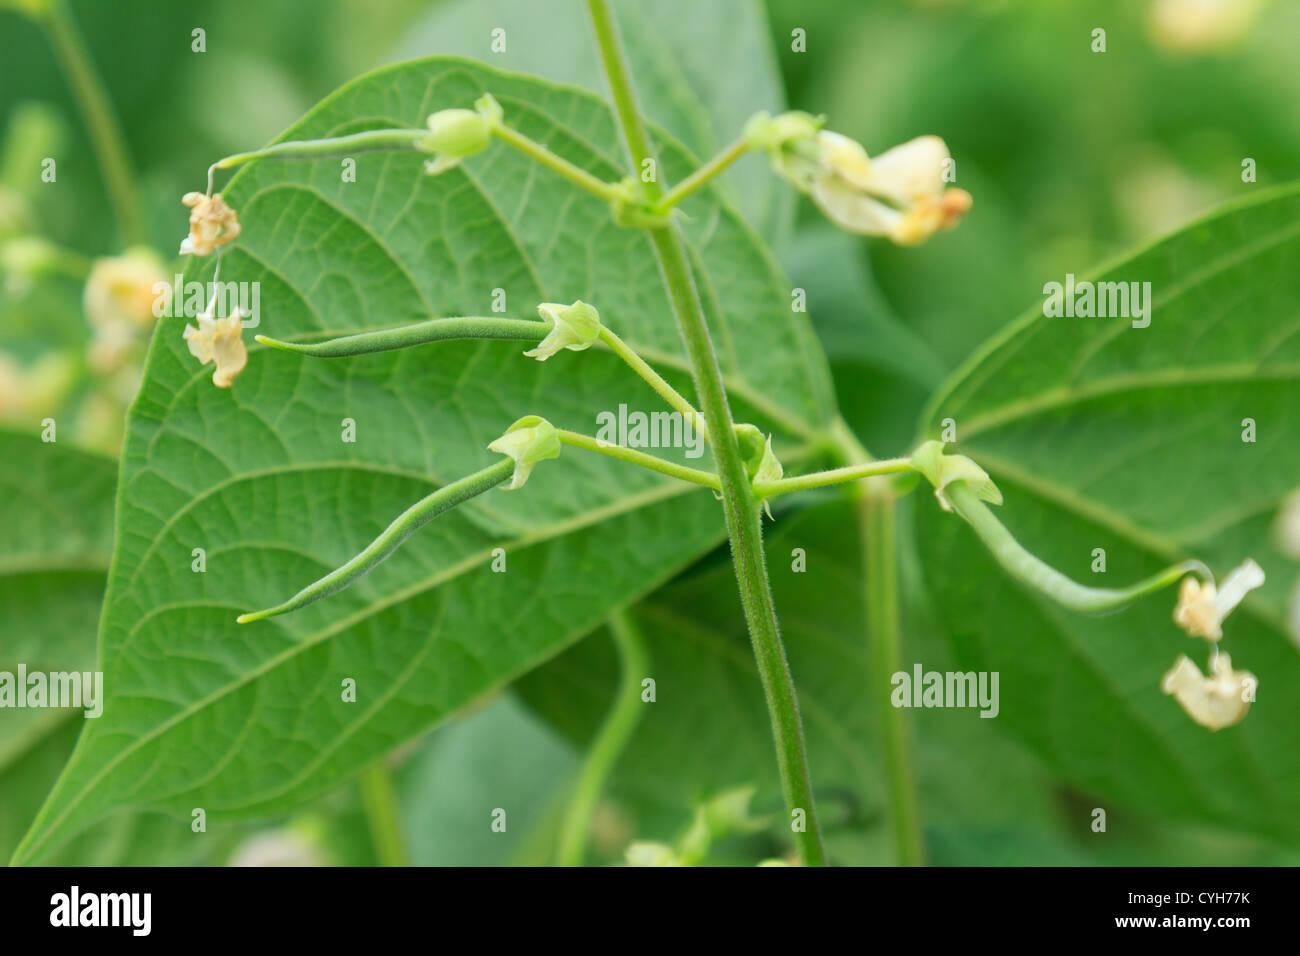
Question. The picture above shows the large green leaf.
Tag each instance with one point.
(1102, 435)
(708, 728)
(55, 541)
(248, 721)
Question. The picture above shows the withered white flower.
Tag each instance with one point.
(219, 340)
(574, 327)
(899, 194)
(212, 224)
(1201, 607)
(527, 441)
(1217, 701)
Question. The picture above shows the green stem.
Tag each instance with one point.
(702, 176)
(610, 741)
(656, 381)
(418, 333)
(105, 134)
(371, 141)
(381, 816)
(693, 475)
(574, 174)
(404, 525)
(835, 476)
(740, 507)
(876, 508)
(1033, 572)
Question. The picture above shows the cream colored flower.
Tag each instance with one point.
(574, 327)
(527, 441)
(646, 853)
(222, 341)
(909, 178)
(1196, 26)
(1217, 701)
(131, 288)
(1201, 607)
(212, 224)
(900, 194)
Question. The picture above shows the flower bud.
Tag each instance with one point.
(942, 470)
(574, 327)
(455, 134)
(527, 441)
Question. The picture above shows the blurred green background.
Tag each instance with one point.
(1073, 156)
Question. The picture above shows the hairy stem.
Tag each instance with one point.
(702, 176)
(105, 134)
(656, 381)
(740, 507)
(380, 805)
(574, 174)
(835, 476)
(610, 741)
(693, 475)
(876, 508)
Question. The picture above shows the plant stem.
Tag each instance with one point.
(610, 741)
(702, 176)
(656, 381)
(693, 475)
(574, 174)
(381, 816)
(876, 523)
(739, 505)
(105, 134)
(835, 476)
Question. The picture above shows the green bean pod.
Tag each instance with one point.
(418, 333)
(1042, 577)
(405, 525)
(371, 141)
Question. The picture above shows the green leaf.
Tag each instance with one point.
(1102, 435)
(248, 721)
(700, 93)
(55, 541)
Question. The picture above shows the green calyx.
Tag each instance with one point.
(457, 133)
(526, 442)
(574, 327)
(943, 470)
